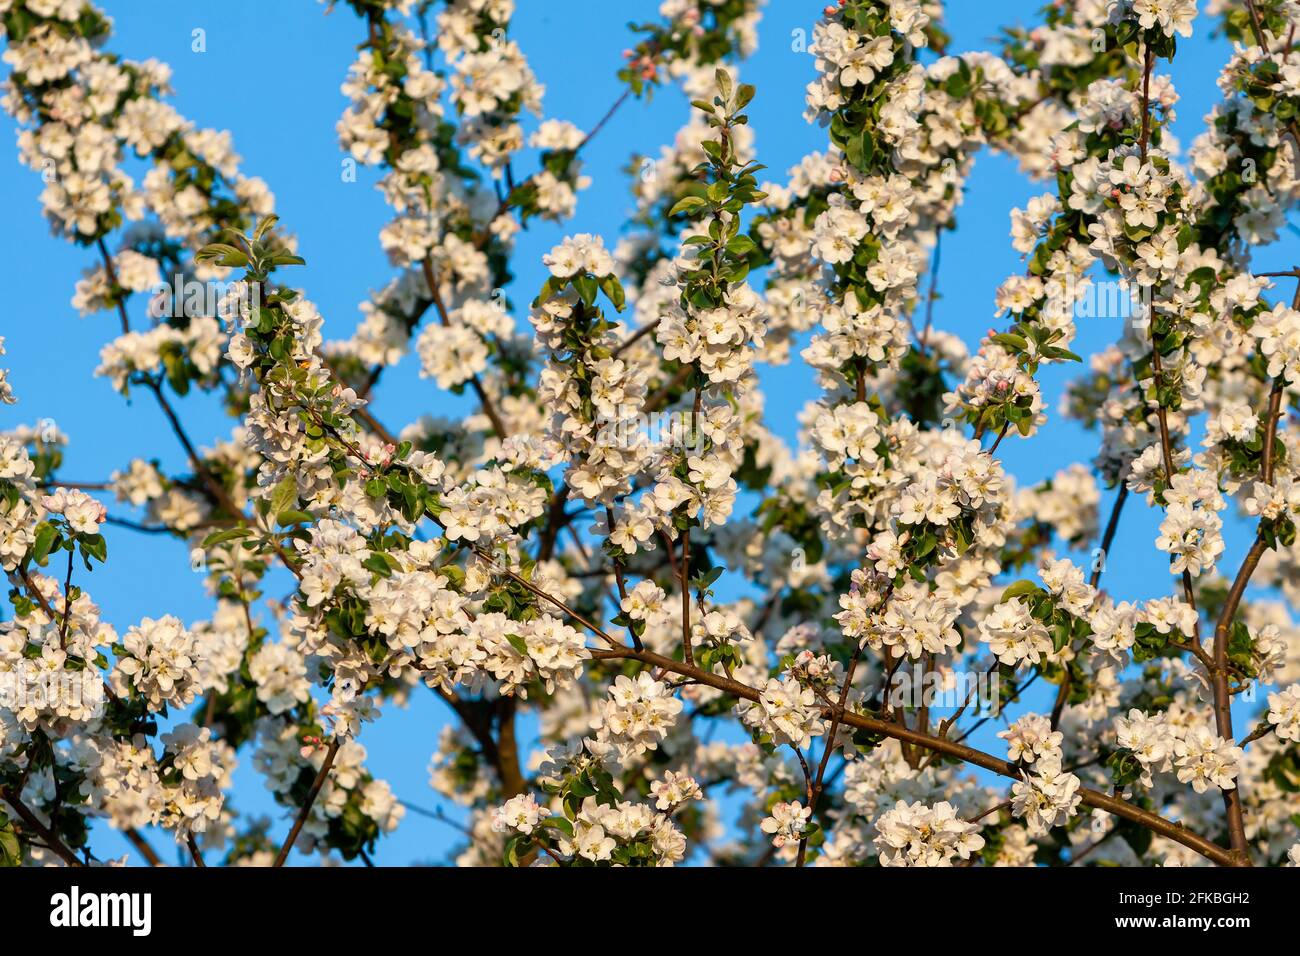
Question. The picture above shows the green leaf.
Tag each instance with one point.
(1019, 589)
(11, 851)
(221, 537)
(292, 516)
(586, 287)
(706, 580)
(264, 226)
(724, 83)
(558, 823)
(741, 245)
(511, 854)
(223, 253)
(284, 494)
(549, 288)
(94, 546)
(46, 534)
(686, 204)
(613, 290)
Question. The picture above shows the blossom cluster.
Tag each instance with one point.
(663, 629)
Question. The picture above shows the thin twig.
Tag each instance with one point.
(305, 810)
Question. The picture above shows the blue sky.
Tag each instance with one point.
(282, 108)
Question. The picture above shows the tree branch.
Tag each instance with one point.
(1093, 798)
(33, 823)
(305, 810)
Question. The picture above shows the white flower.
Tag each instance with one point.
(786, 711)
(1151, 740)
(1172, 16)
(1031, 737)
(674, 790)
(1205, 759)
(1284, 713)
(919, 835)
(83, 513)
(280, 674)
(580, 253)
(787, 823)
(637, 714)
(1046, 798)
(451, 355)
(518, 813)
(1013, 634)
(645, 602)
(159, 663)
